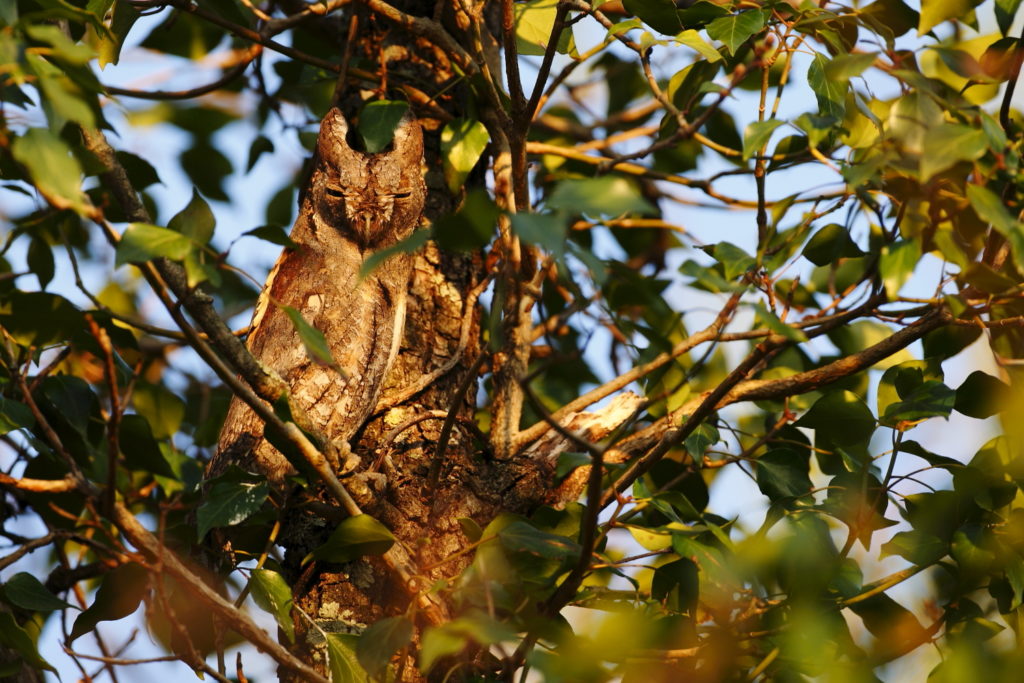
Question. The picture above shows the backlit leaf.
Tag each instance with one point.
(143, 242)
(734, 30)
(463, 141)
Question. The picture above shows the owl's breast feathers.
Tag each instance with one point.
(361, 318)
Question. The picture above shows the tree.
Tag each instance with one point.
(666, 247)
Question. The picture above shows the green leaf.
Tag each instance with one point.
(831, 94)
(661, 15)
(735, 30)
(677, 585)
(274, 234)
(893, 15)
(981, 395)
(607, 196)
(844, 67)
(735, 261)
(567, 462)
(409, 245)
(701, 439)
(897, 264)
(381, 640)
(973, 549)
(143, 242)
(14, 637)
(139, 449)
(842, 416)
(471, 529)
(14, 415)
(783, 474)
(776, 325)
(207, 168)
(54, 171)
(534, 21)
(692, 39)
(1006, 10)
(440, 642)
(260, 145)
(40, 261)
(756, 135)
(273, 594)
(121, 22)
(355, 537)
(342, 660)
(471, 227)
(25, 591)
(544, 229)
(9, 13)
(991, 209)
(522, 537)
(701, 13)
(64, 97)
(929, 399)
(41, 318)
(918, 547)
(228, 503)
(119, 595)
(830, 244)
(378, 122)
(948, 144)
(160, 407)
(463, 141)
(312, 339)
(195, 221)
(140, 172)
(934, 12)
(933, 459)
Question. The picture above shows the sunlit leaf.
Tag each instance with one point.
(342, 660)
(143, 242)
(463, 141)
(949, 144)
(54, 171)
(692, 39)
(195, 221)
(756, 136)
(934, 12)
(312, 339)
(272, 593)
(735, 30)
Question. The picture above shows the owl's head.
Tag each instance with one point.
(375, 200)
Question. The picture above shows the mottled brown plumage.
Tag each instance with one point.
(355, 204)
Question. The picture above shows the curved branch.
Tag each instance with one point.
(228, 76)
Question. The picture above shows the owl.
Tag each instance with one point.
(354, 205)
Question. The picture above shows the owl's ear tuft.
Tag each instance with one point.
(334, 132)
(408, 139)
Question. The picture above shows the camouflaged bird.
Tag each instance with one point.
(355, 204)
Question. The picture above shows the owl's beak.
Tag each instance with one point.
(363, 226)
